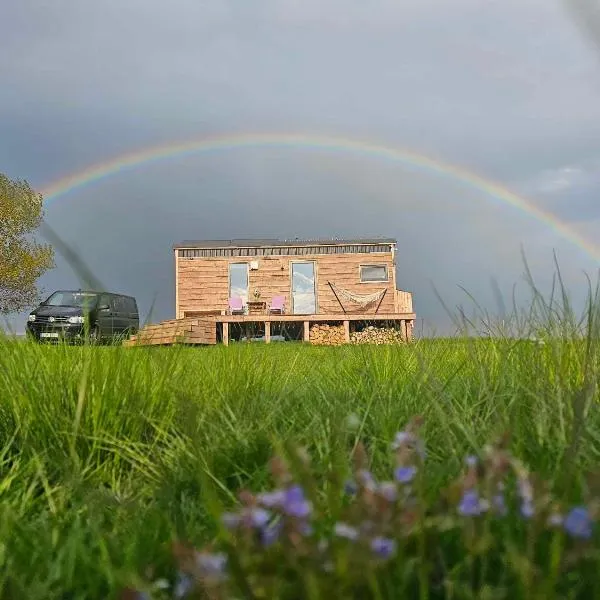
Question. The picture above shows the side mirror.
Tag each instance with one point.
(104, 307)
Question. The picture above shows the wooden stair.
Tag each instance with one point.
(177, 331)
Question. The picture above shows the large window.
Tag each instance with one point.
(372, 273)
(238, 280)
(304, 293)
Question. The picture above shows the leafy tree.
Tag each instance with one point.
(22, 260)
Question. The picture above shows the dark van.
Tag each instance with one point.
(72, 315)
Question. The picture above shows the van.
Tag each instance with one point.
(71, 315)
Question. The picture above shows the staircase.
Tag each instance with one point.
(177, 331)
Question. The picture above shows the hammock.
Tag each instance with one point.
(361, 299)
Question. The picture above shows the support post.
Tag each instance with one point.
(306, 331)
(347, 331)
(267, 332)
(336, 296)
(381, 300)
(409, 330)
(226, 334)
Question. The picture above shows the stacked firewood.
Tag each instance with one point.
(377, 335)
(327, 335)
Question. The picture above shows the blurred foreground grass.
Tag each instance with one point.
(103, 451)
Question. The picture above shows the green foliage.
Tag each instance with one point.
(109, 454)
(22, 260)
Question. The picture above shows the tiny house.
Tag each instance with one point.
(315, 277)
(316, 290)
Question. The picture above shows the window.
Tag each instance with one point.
(369, 273)
(130, 305)
(238, 280)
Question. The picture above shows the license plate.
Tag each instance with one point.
(49, 334)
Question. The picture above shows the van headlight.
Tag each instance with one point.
(31, 318)
(74, 320)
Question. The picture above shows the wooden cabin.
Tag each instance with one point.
(336, 283)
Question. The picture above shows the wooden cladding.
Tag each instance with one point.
(203, 284)
(191, 253)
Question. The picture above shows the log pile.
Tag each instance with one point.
(322, 334)
(376, 335)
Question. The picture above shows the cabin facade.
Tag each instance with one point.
(313, 277)
(225, 288)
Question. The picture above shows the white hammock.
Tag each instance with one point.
(361, 299)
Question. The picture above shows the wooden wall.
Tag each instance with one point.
(203, 283)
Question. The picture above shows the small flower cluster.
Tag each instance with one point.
(280, 535)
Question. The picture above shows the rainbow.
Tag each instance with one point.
(131, 160)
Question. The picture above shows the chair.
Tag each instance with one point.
(236, 306)
(277, 304)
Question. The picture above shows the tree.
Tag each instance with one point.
(22, 260)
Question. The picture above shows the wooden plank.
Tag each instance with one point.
(225, 334)
(347, 331)
(267, 332)
(335, 317)
(306, 331)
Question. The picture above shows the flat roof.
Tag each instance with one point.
(260, 243)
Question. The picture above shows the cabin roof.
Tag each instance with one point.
(260, 243)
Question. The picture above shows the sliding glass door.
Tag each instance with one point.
(304, 291)
(238, 281)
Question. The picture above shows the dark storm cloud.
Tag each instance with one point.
(510, 90)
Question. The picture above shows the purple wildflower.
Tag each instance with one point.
(183, 586)
(257, 517)
(405, 438)
(350, 487)
(252, 517)
(578, 523)
(366, 478)
(405, 474)
(383, 547)
(212, 565)
(527, 509)
(401, 438)
(499, 504)
(271, 499)
(270, 533)
(295, 503)
(346, 531)
(388, 490)
(471, 461)
(470, 504)
(525, 490)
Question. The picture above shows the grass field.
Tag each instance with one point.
(106, 454)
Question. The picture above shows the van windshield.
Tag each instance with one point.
(74, 299)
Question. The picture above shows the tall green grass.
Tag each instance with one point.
(105, 451)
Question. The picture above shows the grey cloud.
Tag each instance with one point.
(509, 90)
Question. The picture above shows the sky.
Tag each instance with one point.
(508, 90)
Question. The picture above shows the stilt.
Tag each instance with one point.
(226, 334)
(306, 331)
(347, 331)
(267, 332)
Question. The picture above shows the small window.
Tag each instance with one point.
(370, 273)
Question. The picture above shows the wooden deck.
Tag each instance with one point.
(203, 330)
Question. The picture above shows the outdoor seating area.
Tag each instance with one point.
(237, 306)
